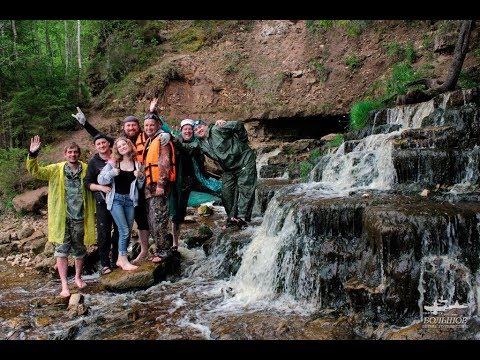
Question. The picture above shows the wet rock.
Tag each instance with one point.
(42, 321)
(71, 333)
(133, 315)
(77, 310)
(199, 237)
(19, 323)
(75, 300)
(145, 276)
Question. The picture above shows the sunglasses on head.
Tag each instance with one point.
(198, 122)
(152, 116)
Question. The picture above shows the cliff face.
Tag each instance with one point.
(282, 69)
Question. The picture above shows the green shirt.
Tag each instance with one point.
(73, 192)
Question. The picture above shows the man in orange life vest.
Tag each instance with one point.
(156, 161)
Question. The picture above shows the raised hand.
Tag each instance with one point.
(220, 122)
(164, 138)
(35, 144)
(153, 104)
(80, 116)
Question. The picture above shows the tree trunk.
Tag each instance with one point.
(78, 46)
(66, 47)
(14, 32)
(48, 45)
(461, 48)
(36, 31)
(79, 54)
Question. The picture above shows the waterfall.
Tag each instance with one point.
(410, 116)
(283, 265)
(257, 278)
(368, 166)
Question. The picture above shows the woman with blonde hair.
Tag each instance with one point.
(124, 174)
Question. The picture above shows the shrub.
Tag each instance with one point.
(359, 113)
(353, 62)
(12, 171)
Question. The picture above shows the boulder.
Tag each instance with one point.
(31, 201)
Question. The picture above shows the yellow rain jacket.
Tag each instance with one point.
(57, 206)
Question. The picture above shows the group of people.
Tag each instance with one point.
(144, 176)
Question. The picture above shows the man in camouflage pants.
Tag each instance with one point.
(156, 161)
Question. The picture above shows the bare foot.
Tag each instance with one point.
(80, 283)
(127, 266)
(65, 293)
(139, 258)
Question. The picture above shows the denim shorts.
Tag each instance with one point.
(73, 241)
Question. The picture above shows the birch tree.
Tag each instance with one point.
(14, 32)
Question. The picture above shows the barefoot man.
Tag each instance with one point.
(71, 209)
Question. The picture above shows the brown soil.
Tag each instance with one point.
(268, 71)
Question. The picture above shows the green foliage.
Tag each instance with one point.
(352, 27)
(467, 81)
(353, 62)
(33, 110)
(395, 50)
(321, 71)
(197, 33)
(124, 46)
(402, 73)
(12, 175)
(336, 142)
(132, 86)
(315, 25)
(40, 85)
(356, 27)
(426, 70)
(410, 54)
(305, 168)
(189, 39)
(359, 113)
(234, 58)
(314, 155)
(427, 42)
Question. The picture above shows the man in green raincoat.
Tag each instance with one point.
(226, 142)
(71, 209)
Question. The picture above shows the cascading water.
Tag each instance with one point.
(282, 266)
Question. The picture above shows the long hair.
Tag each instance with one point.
(115, 154)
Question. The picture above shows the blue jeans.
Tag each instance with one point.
(123, 213)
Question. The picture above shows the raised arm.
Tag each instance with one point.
(82, 120)
(39, 172)
(237, 128)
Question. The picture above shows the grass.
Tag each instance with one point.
(359, 113)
